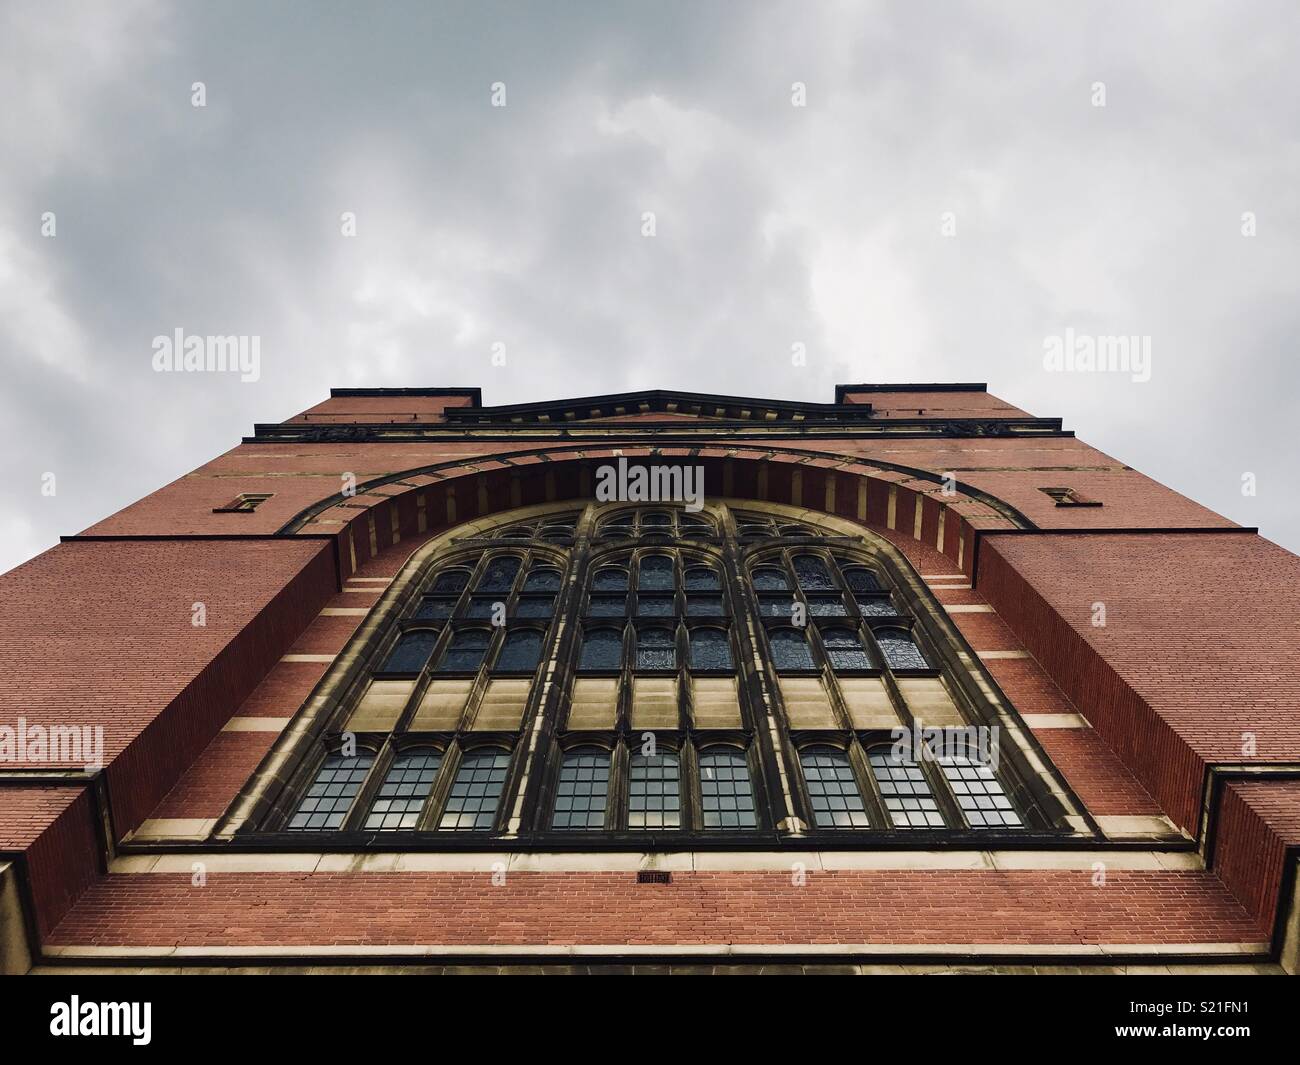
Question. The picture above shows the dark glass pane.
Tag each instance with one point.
(860, 579)
(536, 607)
(609, 579)
(618, 529)
(602, 649)
(558, 530)
(899, 650)
(823, 605)
(790, 650)
(543, 580)
(454, 580)
(726, 794)
(411, 653)
(836, 800)
(499, 575)
(845, 650)
(775, 606)
(655, 650)
(812, 573)
(656, 574)
(710, 649)
(472, 804)
(704, 606)
(770, 579)
(518, 532)
(755, 529)
(402, 795)
(703, 579)
(796, 530)
(654, 791)
(877, 606)
(607, 606)
(903, 786)
(979, 793)
(435, 607)
(326, 803)
(656, 519)
(521, 652)
(483, 606)
(466, 651)
(654, 605)
(581, 790)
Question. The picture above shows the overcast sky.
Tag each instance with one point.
(950, 195)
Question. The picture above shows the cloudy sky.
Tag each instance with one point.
(950, 195)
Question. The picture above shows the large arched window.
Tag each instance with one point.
(632, 669)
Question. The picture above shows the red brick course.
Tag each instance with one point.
(1258, 821)
(928, 907)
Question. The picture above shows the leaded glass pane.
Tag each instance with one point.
(465, 652)
(453, 580)
(327, 801)
(832, 789)
(860, 579)
(812, 573)
(411, 653)
(905, 790)
(543, 580)
(845, 650)
(770, 579)
(655, 650)
(654, 791)
(790, 650)
(609, 579)
(899, 650)
(521, 651)
(602, 649)
(710, 649)
(500, 574)
(655, 574)
(581, 790)
(435, 608)
(703, 579)
(607, 606)
(405, 789)
(726, 793)
(472, 804)
(979, 793)
(879, 606)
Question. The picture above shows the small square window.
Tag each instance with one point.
(245, 503)
(1068, 497)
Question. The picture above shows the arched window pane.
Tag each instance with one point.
(790, 650)
(411, 652)
(466, 651)
(812, 573)
(899, 650)
(726, 794)
(453, 580)
(775, 605)
(328, 799)
(521, 651)
(654, 791)
(832, 789)
(692, 526)
(609, 579)
(860, 579)
(703, 579)
(500, 574)
(979, 793)
(710, 649)
(824, 604)
(655, 650)
(796, 530)
(654, 606)
(581, 790)
(655, 574)
(905, 790)
(543, 580)
(472, 804)
(402, 795)
(518, 532)
(845, 650)
(602, 649)
(770, 579)
(656, 519)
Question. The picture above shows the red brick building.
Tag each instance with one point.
(396, 683)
